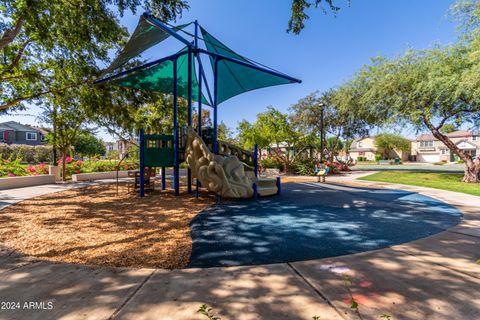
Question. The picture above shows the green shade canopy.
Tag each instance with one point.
(159, 78)
(144, 37)
(234, 78)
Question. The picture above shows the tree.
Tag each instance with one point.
(342, 117)
(427, 88)
(87, 144)
(225, 133)
(333, 146)
(299, 15)
(41, 36)
(270, 129)
(67, 121)
(388, 143)
(448, 128)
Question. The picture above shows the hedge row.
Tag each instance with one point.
(26, 153)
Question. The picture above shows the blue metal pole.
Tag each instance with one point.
(195, 43)
(199, 124)
(215, 99)
(163, 179)
(143, 66)
(279, 186)
(142, 162)
(189, 111)
(176, 164)
(154, 21)
(255, 159)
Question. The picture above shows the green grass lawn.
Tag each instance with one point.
(444, 181)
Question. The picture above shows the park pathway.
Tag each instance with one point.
(431, 278)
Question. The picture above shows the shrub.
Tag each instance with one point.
(304, 167)
(12, 168)
(26, 153)
(378, 157)
(107, 165)
(271, 162)
(38, 169)
(360, 159)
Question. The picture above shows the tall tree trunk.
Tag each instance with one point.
(472, 171)
(472, 168)
(64, 165)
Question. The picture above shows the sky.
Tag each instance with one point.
(327, 52)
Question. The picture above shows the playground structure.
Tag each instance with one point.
(222, 168)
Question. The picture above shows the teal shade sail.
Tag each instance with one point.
(144, 37)
(159, 78)
(234, 78)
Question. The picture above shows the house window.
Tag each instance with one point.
(2, 136)
(359, 144)
(445, 151)
(361, 153)
(31, 136)
(426, 144)
(475, 138)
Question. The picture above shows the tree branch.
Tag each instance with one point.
(37, 95)
(10, 34)
(17, 58)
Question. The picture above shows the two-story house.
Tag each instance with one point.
(12, 132)
(365, 147)
(426, 148)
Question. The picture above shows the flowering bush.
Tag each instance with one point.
(12, 168)
(336, 167)
(307, 167)
(38, 169)
(72, 166)
(102, 166)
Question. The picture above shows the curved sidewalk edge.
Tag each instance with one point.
(432, 278)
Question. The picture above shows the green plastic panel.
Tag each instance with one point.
(158, 150)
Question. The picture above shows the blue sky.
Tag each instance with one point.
(325, 54)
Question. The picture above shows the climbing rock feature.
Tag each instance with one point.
(227, 176)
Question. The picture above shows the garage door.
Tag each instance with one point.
(428, 158)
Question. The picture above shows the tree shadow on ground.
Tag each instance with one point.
(312, 221)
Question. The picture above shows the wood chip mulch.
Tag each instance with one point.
(94, 226)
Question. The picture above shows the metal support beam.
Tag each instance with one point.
(255, 159)
(163, 179)
(199, 123)
(143, 66)
(189, 111)
(142, 162)
(155, 22)
(215, 113)
(176, 164)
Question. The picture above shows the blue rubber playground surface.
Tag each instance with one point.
(313, 221)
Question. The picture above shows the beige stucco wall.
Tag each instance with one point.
(28, 181)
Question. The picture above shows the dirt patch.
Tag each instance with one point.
(95, 226)
(289, 179)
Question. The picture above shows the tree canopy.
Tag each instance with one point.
(299, 12)
(41, 37)
(388, 143)
(87, 144)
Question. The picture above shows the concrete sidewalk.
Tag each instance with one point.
(432, 278)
